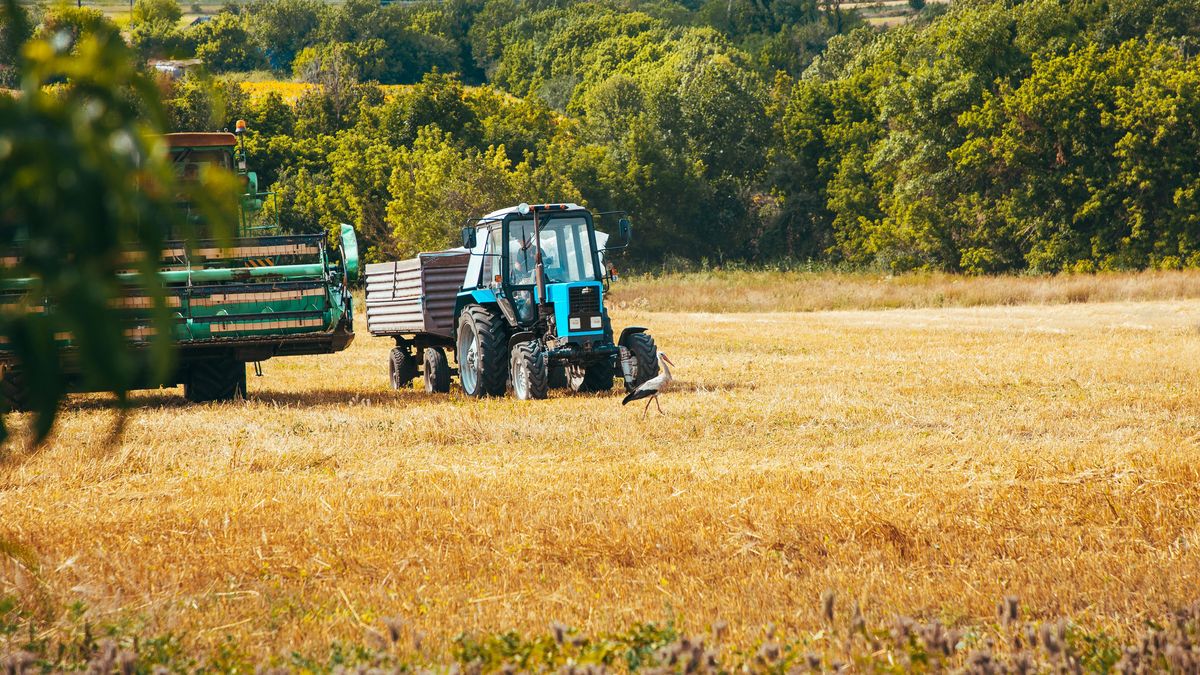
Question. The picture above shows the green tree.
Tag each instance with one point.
(224, 44)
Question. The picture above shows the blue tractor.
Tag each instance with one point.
(528, 309)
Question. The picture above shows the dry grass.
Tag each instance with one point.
(742, 291)
(924, 461)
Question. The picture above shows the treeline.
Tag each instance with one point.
(987, 136)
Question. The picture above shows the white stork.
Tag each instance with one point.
(651, 388)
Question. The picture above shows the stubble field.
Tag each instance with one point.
(918, 461)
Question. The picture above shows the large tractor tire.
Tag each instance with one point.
(530, 376)
(215, 380)
(402, 368)
(645, 352)
(482, 352)
(596, 377)
(437, 371)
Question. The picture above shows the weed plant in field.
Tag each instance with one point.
(1006, 646)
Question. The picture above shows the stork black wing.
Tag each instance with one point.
(640, 393)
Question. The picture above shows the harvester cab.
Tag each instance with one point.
(531, 310)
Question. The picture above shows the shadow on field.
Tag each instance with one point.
(173, 398)
(316, 397)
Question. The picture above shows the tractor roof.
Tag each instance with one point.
(497, 215)
(205, 139)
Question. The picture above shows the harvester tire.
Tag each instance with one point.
(482, 352)
(402, 368)
(595, 378)
(437, 371)
(558, 377)
(13, 392)
(646, 353)
(530, 377)
(215, 380)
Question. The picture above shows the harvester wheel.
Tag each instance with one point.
(437, 371)
(482, 352)
(594, 378)
(215, 380)
(646, 353)
(402, 368)
(558, 377)
(13, 391)
(530, 379)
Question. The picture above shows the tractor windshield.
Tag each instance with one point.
(566, 251)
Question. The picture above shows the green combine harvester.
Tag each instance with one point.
(243, 300)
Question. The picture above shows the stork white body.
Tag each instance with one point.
(651, 388)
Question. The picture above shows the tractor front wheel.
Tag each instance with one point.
(437, 371)
(215, 380)
(482, 352)
(530, 377)
(594, 378)
(645, 354)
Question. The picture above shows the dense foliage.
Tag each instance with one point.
(983, 136)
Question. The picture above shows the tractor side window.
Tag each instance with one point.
(493, 250)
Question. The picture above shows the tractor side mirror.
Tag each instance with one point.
(626, 229)
(468, 237)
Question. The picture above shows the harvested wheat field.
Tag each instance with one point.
(920, 461)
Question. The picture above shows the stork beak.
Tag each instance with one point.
(669, 361)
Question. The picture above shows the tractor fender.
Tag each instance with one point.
(630, 330)
(518, 338)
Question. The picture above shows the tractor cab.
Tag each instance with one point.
(542, 264)
(194, 153)
(531, 309)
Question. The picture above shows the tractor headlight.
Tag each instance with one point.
(575, 323)
(596, 322)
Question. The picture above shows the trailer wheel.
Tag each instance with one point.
(482, 352)
(530, 379)
(402, 368)
(437, 371)
(594, 378)
(215, 380)
(558, 377)
(645, 352)
(13, 392)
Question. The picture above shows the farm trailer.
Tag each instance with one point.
(256, 296)
(520, 306)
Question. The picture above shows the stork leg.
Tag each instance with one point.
(646, 410)
(658, 405)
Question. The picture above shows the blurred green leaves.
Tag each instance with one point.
(86, 193)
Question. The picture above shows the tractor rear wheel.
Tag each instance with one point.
(437, 371)
(482, 352)
(215, 380)
(594, 378)
(645, 352)
(402, 368)
(530, 378)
